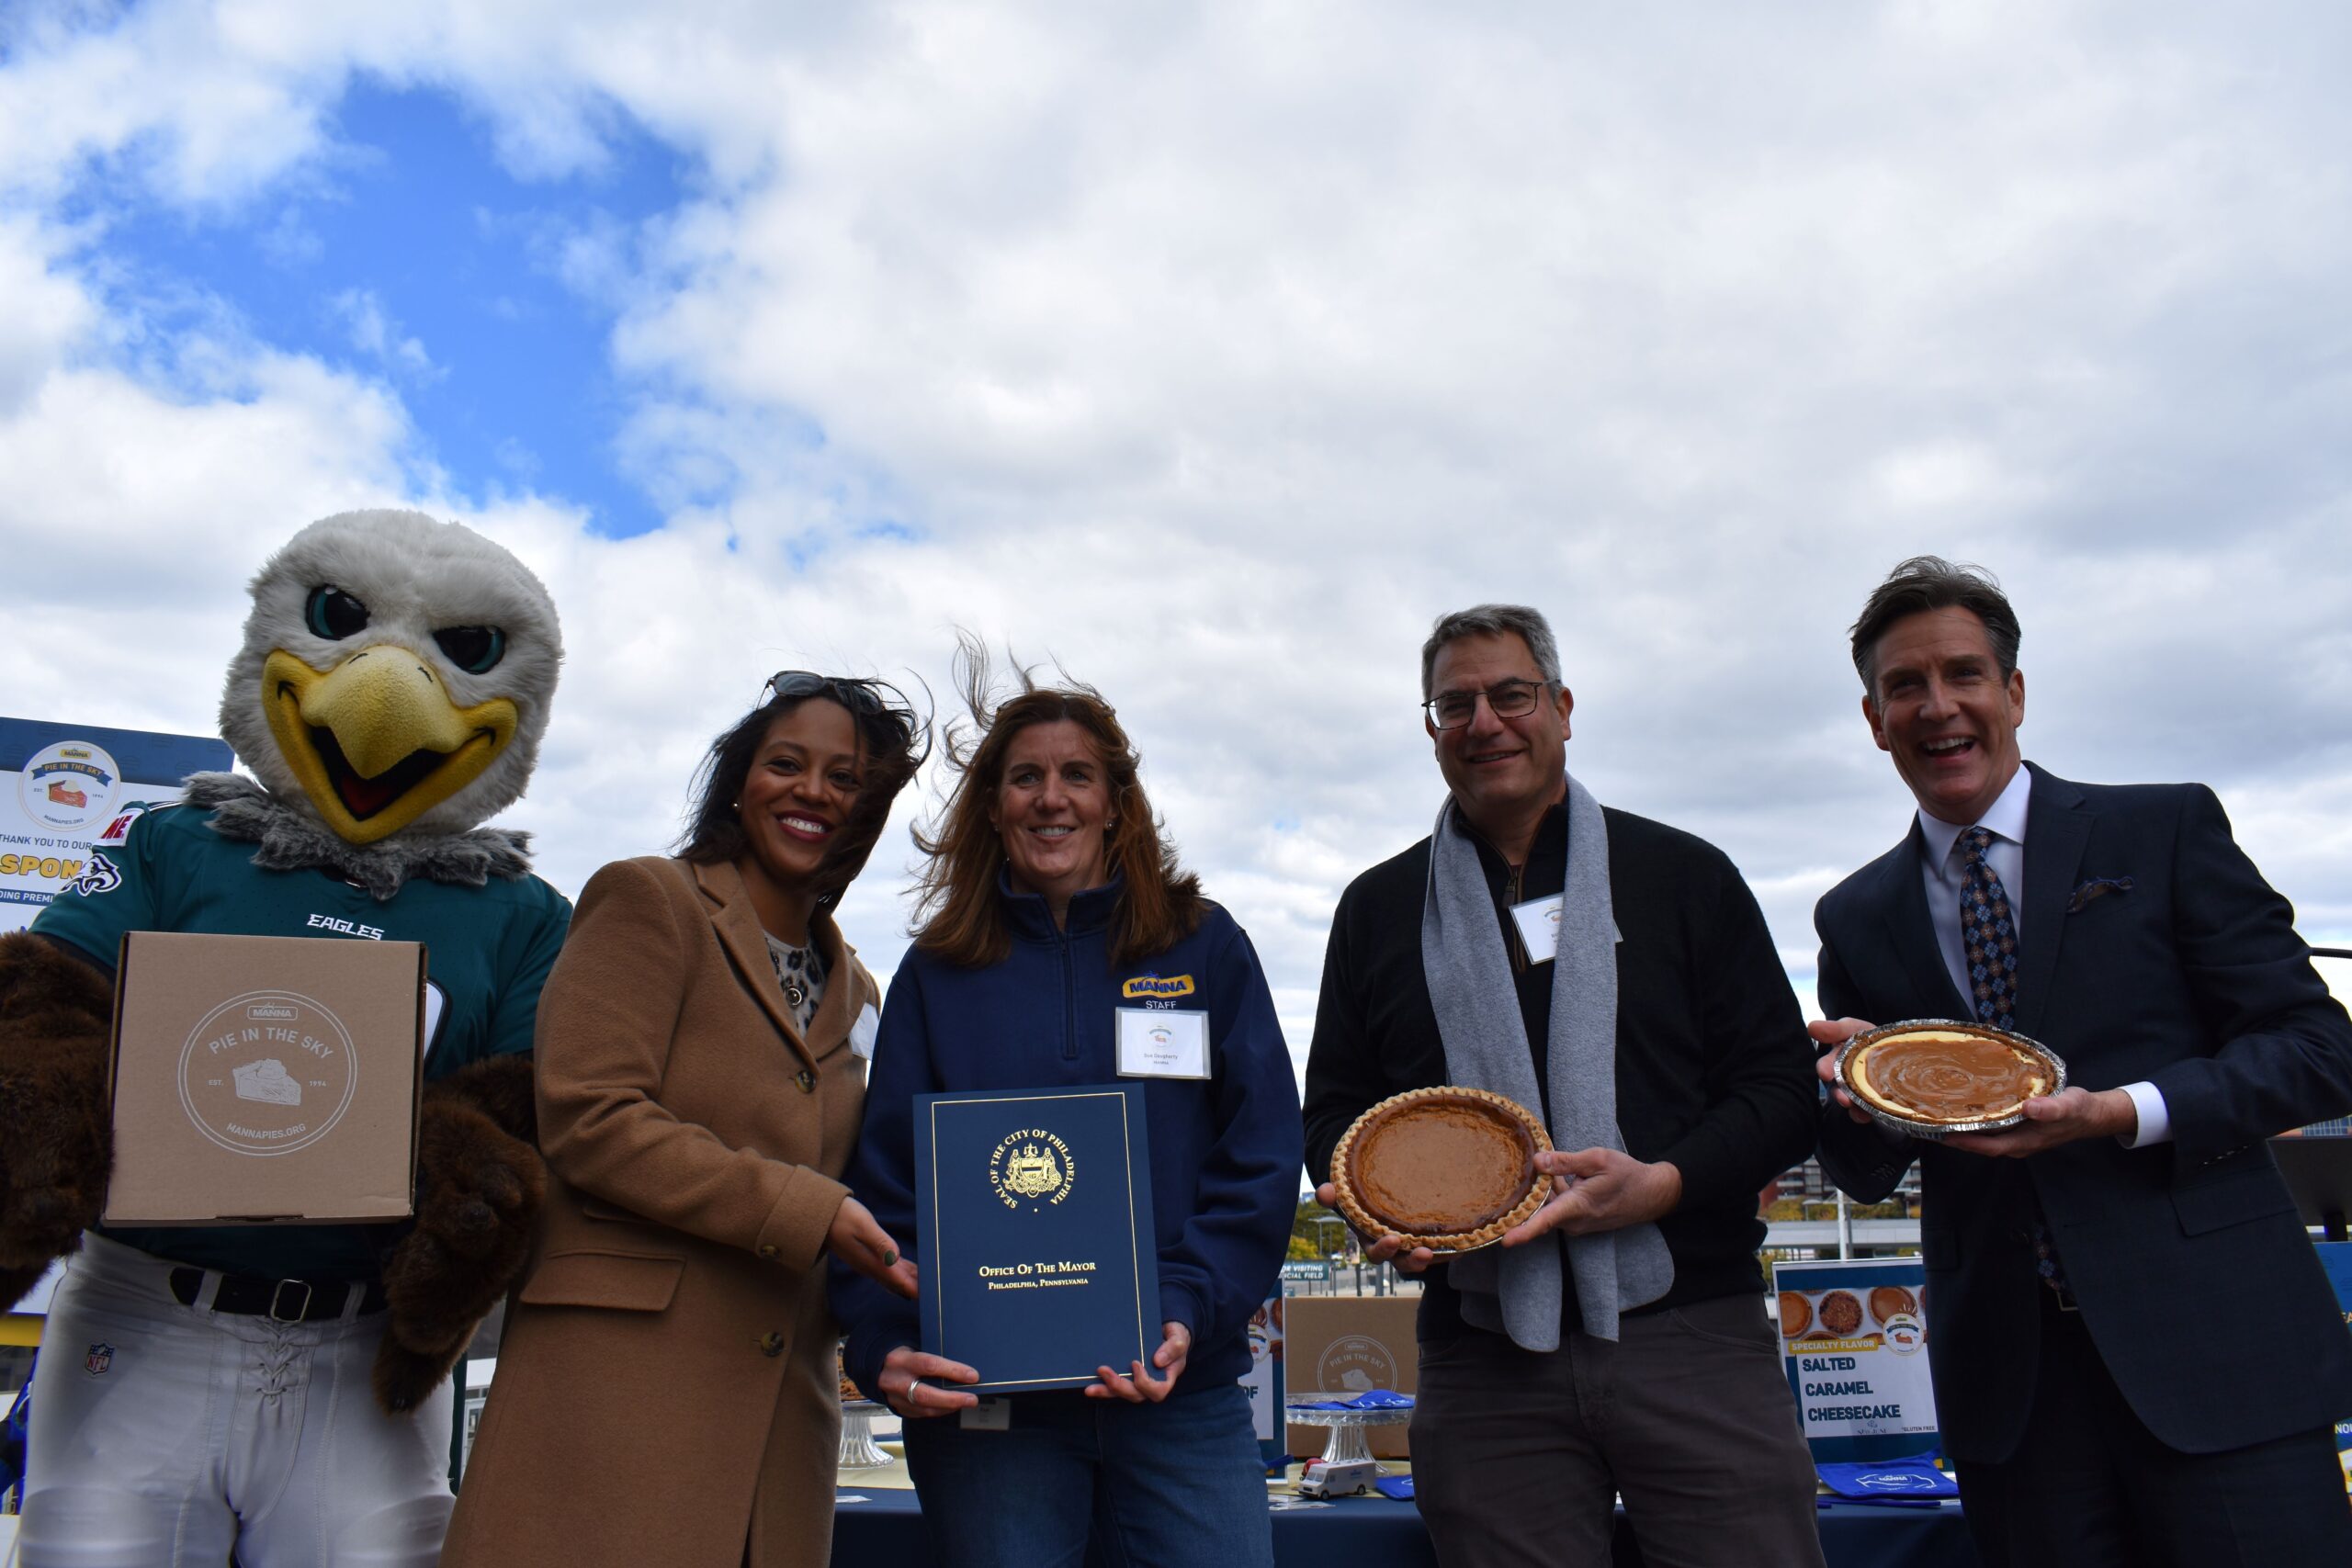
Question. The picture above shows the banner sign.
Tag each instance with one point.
(1854, 1338)
(1263, 1382)
(69, 793)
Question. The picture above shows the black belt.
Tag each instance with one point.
(283, 1301)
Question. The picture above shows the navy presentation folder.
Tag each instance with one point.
(1033, 1229)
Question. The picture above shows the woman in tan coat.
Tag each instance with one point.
(666, 1390)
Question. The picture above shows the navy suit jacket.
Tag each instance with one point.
(2196, 1278)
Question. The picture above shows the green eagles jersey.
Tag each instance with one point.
(487, 951)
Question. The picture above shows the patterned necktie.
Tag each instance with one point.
(1988, 935)
(1988, 931)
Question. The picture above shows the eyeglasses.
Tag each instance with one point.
(1505, 699)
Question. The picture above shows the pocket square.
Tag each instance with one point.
(2097, 887)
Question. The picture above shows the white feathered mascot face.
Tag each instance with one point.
(396, 675)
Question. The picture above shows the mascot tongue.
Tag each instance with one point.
(365, 796)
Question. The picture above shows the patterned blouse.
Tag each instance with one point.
(801, 972)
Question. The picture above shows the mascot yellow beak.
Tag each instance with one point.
(376, 742)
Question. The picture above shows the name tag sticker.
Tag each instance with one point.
(1539, 927)
(863, 1032)
(988, 1416)
(1156, 1043)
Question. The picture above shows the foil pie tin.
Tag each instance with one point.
(1938, 1130)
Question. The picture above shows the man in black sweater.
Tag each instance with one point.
(1686, 1412)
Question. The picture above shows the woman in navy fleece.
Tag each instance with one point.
(1049, 887)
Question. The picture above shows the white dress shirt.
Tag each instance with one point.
(1941, 864)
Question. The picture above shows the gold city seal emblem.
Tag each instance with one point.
(1031, 1169)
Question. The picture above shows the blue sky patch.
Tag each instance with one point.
(412, 257)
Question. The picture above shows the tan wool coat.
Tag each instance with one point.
(666, 1389)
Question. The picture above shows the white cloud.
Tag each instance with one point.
(1216, 348)
(377, 335)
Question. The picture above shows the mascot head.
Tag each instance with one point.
(395, 676)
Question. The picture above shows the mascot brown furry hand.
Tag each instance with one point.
(389, 697)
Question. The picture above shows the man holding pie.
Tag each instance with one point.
(1613, 977)
(2137, 1359)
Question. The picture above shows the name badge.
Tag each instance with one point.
(1158, 1043)
(988, 1416)
(863, 1032)
(1539, 927)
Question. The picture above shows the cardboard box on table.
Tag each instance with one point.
(1337, 1346)
(265, 1079)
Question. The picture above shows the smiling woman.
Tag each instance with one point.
(1061, 929)
(700, 1081)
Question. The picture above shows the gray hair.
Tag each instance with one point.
(1493, 620)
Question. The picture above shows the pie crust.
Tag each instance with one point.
(1938, 1076)
(1449, 1169)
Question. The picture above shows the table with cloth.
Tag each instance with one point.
(1373, 1532)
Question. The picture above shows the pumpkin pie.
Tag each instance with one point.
(1935, 1076)
(1449, 1169)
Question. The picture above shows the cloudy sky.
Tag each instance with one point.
(1212, 350)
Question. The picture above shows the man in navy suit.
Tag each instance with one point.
(2137, 1358)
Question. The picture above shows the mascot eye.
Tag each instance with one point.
(335, 614)
(475, 649)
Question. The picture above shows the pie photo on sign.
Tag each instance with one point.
(1888, 1302)
(1839, 1313)
(1796, 1315)
(1931, 1076)
(1447, 1168)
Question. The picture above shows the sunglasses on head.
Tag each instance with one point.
(857, 695)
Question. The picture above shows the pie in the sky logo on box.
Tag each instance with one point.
(268, 1073)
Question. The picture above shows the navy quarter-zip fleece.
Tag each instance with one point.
(1225, 1152)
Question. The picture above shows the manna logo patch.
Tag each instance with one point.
(1158, 986)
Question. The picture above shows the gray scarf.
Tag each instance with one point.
(1517, 1290)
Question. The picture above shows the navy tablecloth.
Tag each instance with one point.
(1373, 1532)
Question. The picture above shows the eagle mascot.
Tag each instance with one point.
(282, 1393)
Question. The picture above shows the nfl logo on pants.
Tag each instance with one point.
(100, 1358)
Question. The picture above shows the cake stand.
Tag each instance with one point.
(1347, 1443)
(859, 1451)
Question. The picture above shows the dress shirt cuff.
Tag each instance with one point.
(2156, 1122)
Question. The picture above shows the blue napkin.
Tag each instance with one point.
(1913, 1478)
(1376, 1399)
(1398, 1486)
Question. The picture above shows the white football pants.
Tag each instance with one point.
(164, 1436)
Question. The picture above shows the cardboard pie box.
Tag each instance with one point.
(265, 1079)
(1337, 1346)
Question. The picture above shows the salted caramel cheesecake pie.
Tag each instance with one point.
(1935, 1076)
(1448, 1168)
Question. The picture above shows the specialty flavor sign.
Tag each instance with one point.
(1854, 1337)
(70, 793)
